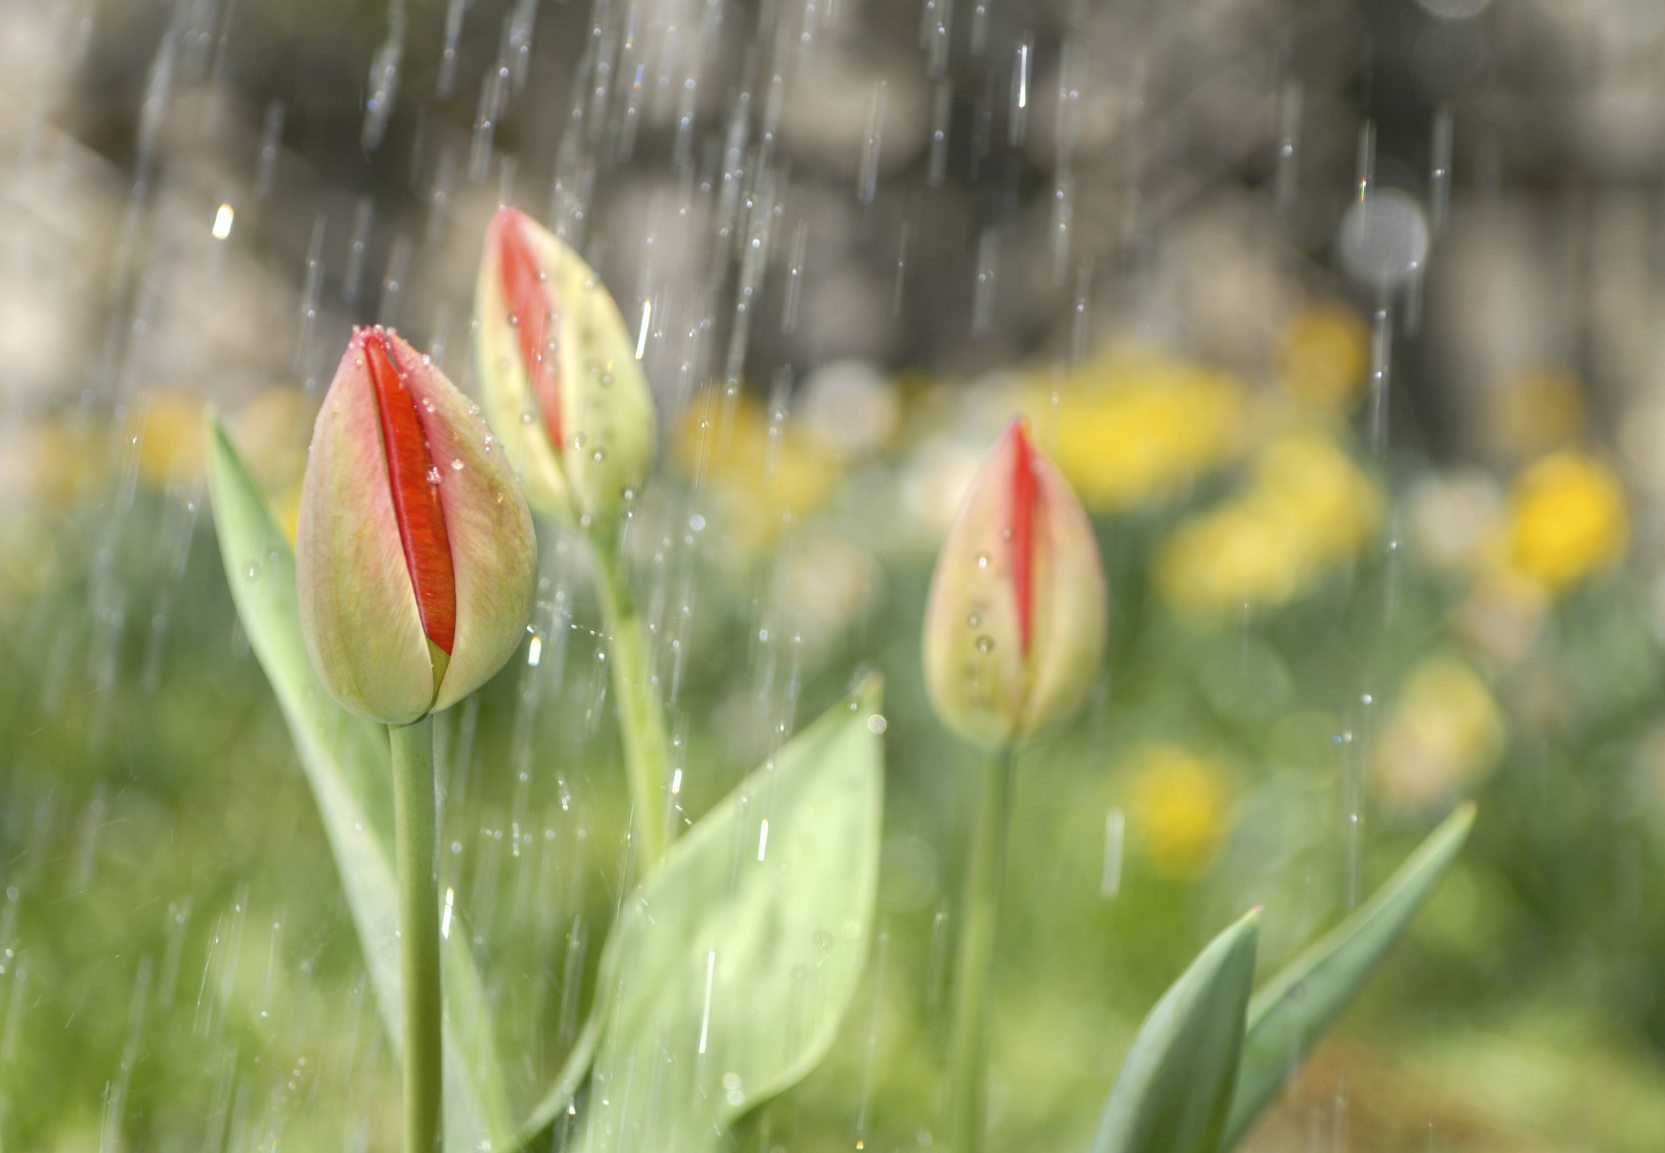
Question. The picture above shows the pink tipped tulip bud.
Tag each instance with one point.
(559, 375)
(415, 558)
(1016, 623)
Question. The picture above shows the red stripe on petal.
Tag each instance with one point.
(414, 480)
(525, 289)
(1021, 512)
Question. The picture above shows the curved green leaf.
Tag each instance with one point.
(346, 760)
(725, 977)
(1294, 1008)
(1175, 1086)
(563, 1094)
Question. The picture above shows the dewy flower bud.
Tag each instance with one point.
(1015, 627)
(559, 375)
(415, 558)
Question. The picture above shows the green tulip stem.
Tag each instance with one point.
(979, 915)
(416, 835)
(641, 717)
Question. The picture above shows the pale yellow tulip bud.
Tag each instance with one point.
(559, 376)
(414, 557)
(1016, 623)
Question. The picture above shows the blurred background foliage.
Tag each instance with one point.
(1333, 616)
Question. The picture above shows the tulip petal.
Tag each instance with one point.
(414, 483)
(974, 659)
(512, 407)
(532, 314)
(358, 608)
(1071, 603)
(493, 548)
(1021, 512)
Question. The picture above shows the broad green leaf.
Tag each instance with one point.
(346, 760)
(1294, 1008)
(1175, 1086)
(725, 977)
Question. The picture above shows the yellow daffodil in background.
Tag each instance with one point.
(1541, 411)
(1568, 520)
(1445, 732)
(170, 440)
(1133, 430)
(1307, 509)
(1243, 553)
(1176, 806)
(57, 460)
(1336, 505)
(273, 430)
(762, 475)
(49, 467)
(1323, 353)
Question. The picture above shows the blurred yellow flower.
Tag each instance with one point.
(1245, 552)
(1445, 731)
(59, 461)
(1134, 430)
(1567, 520)
(1541, 411)
(1177, 808)
(1336, 505)
(1307, 508)
(272, 432)
(170, 440)
(761, 475)
(1322, 356)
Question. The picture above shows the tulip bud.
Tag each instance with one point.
(415, 558)
(559, 375)
(1015, 626)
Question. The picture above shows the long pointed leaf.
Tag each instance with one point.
(1294, 1008)
(346, 760)
(725, 977)
(563, 1093)
(1175, 1086)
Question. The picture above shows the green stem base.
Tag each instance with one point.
(416, 835)
(979, 917)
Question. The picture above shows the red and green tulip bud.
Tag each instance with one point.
(1015, 627)
(415, 558)
(559, 375)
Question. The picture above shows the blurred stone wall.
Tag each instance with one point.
(941, 186)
